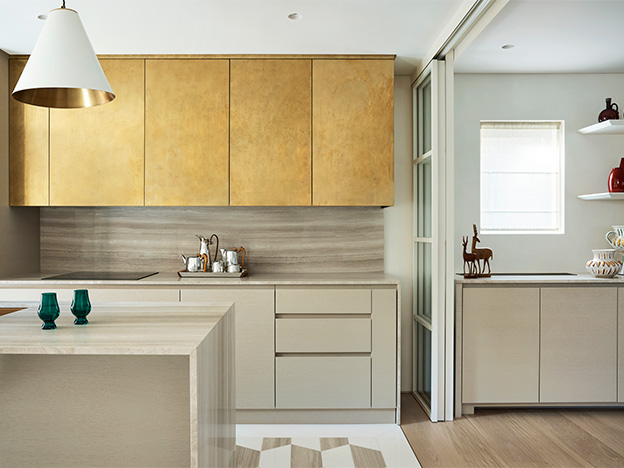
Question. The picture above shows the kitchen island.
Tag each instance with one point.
(142, 385)
(284, 323)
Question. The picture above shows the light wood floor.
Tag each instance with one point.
(516, 438)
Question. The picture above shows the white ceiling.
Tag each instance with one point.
(550, 36)
(407, 28)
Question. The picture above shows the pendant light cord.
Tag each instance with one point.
(63, 4)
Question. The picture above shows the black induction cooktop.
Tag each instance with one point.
(102, 275)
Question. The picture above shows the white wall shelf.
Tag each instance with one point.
(604, 128)
(603, 196)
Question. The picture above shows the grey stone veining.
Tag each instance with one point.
(277, 239)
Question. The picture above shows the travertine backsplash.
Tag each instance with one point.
(277, 239)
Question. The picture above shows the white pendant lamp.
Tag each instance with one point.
(63, 70)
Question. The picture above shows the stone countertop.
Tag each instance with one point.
(581, 278)
(172, 279)
(123, 329)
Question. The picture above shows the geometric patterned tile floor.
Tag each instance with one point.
(322, 446)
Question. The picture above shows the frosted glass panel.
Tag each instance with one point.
(426, 91)
(423, 199)
(424, 117)
(422, 280)
(521, 174)
(422, 377)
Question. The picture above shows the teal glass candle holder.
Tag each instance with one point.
(80, 306)
(48, 310)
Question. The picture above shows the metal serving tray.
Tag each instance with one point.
(210, 274)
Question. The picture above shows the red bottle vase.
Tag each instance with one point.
(616, 178)
(610, 112)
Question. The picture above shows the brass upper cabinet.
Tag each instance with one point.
(186, 132)
(270, 126)
(353, 132)
(96, 154)
(28, 148)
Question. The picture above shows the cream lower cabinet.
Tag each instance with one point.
(578, 345)
(335, 348)
(537, 345)
(621, 345)
(254, 344)
(500, 345)
(96, 295)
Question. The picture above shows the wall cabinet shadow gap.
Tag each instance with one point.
(186, 132)
(28, 147)
(270, 139)
(97, 154)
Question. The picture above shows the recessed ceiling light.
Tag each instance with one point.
(42, 17)
(508, 46)
(295, 16)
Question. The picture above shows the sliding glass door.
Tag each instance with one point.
(429, 244)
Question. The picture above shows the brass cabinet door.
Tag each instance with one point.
(97, 154)
(270, 126)
(28, 148)
(186, 132)
(353, 132)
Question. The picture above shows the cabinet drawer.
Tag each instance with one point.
(95, 295)
(308, 382)
(322, 301)
(318, 335)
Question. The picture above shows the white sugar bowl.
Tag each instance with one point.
(604, 264)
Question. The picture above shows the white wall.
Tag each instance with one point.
(577, 99)
(398, 240)
(19, 227)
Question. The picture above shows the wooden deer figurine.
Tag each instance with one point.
(484, 254)
(470, 259)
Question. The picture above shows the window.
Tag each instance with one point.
(522, 177)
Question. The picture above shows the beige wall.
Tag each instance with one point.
(19, 227)
(577, 99)
(398, 239)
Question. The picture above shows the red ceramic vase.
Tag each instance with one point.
(610, 112)
(616, 178)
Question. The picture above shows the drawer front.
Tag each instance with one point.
(95, 295)
(323, 335)
(322, 301)
(314, 382)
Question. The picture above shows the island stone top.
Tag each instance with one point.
(120, 329)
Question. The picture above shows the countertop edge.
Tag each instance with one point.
(540, 279)
(172, 280)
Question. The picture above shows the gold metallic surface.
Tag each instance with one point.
(64, 98)
(270, 126)
(96, 154)
(353, 132)
(28, 148)
(186, 132)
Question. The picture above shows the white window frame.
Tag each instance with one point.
(561, 229)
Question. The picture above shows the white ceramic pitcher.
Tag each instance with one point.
(617, 238)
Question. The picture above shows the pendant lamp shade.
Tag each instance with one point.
(63, 70)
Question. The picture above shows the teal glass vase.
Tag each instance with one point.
(80, 306)
(48, 310)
